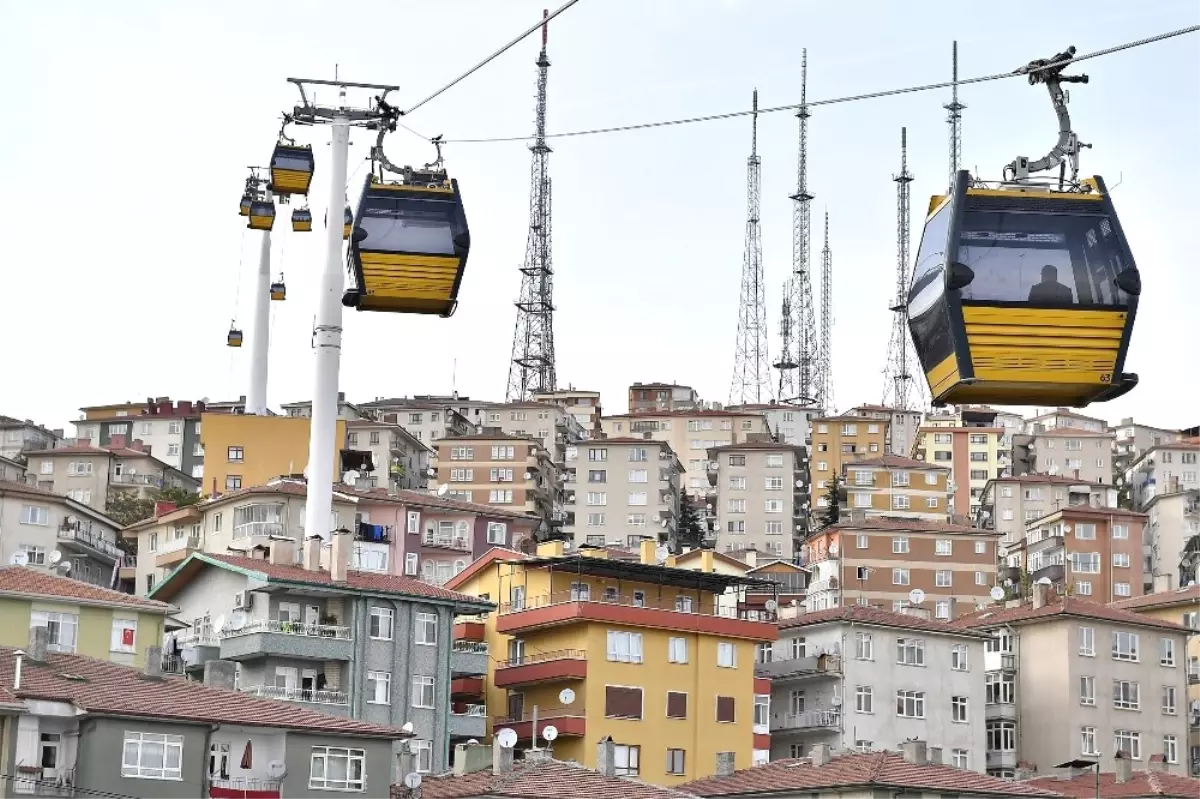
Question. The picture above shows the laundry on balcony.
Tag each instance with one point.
(377, 533)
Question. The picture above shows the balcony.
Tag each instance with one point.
(800, 668)
(1006, 759)
(550, 610)
(175, 550)
(1193, 673)
(326, 699)
(999, 661)
(373, 533)
(466, 687)
(457, 543)
(33, 780)
(135, 481)
(81, 538)
(468, 720)
(1000, 711)
(562, 664)
(128, 567)
(571, 722)
(1055, 572)
(241, 787)
(468, 630)
(807, 720)
(265, 637)
(468, 657)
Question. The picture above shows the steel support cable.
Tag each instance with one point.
(839, 100)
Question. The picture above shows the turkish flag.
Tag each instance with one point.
(127, 637)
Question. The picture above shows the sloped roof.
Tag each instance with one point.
(25, 489)
(102, 687)
(37, 584)
(869, 769)
(483, 561)
(1057, 608)
(1141, 784)
(885, 523)
(895, 462)
(544, 779)
(1165, 599)
(866, 614)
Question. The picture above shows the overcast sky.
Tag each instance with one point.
(129, 126)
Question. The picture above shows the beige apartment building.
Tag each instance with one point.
(881, 561)
(903, 426)
(1094, 553)
(619, 491)
(1069, 678)
(1061, 418)
(1008, 504)
(1165, 469)
(897, 487)
(1080, 454)
(426, 418)
(659, 397)
(88, 474)
(760, 499)
(550, 425)
(789, 424)
(1132, 440)
(1172, 520)
(18, 437)
(167, 429)
(974, 456)
(837, 440)
(512, 472)
(401, 460)
(583, 405)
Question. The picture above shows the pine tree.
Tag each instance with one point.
(833, 509)
(690, 530)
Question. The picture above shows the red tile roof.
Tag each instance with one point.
(547, 779)
(865, 614)
(1060, 607)
(34, 583)
(910, 525)
(754, 445)
(1045, 478)
(644, 414)
(896, 462)
(425, 499)
(101, 687)
(373, 582)
(870, 769)
(1142, 784)
(1180, 596)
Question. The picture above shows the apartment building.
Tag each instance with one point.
(882, 562)
(18, 437)
(347, 411)
(168, 430)
(427, 416)
(1064, 418)
(837, 440)
(350, 643)
(1069, 678)
(1166, 469)
(1072, 452)
(761, 502)
(245, 451)
(1181, 606)
(1008, 504)
(895, 486)
(583, 405)
(12, 471)
(903, 425)
(861, 678)
(1173, 520)
(400, 459)
(648, 655)
(974, 456)
(788, 423)
(515, 472)
(1132, 440)
(552, 426)
(1085, 551)
(620, 490)
(78, 726)
(659, 397)
(82, 618)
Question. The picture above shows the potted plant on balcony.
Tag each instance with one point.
(327, 621)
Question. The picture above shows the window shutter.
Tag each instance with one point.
(625, 703)
(676, 705)
(725, 708)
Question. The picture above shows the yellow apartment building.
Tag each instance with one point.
(837, 440)
(974, 456)
(645, 653)
(896, 487)
(83, 619)
(244, 451)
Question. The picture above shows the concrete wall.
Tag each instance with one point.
(271, 446)
(88, 569)
(615, 527)
(101, 744)
(755, 496)
(379, 770)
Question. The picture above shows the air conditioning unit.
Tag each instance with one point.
(243, 600)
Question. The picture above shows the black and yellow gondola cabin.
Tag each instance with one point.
(347, 223)
(244, 208)
(409, 248)
(291, 169)
(279, 290)
(301, 220)
(233, 338)
(262, 215)
(1024, 296)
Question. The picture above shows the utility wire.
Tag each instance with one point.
(493, 56)
(838, 100)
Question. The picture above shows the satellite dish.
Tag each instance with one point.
(549, 732)
(1066, 528)
(64, 567)
(771, 605)
(55, 557)
(833, 550)
(442, 489)
(412, 780)
(218, 624)
(1044, 581)
(276, 768)
(528, 475)
(661, 552)
(237, 620)
(408, 727)
(507, 738)
(997, 593)
(916, 596)
(566, 696)
(19, 558)
(799, 484)
(350, 477)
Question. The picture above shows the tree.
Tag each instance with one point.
(179, 496)
(833, 507)
(127, 508)
(690, 530)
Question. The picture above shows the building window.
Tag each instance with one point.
(1087, 641)
(638, 475)
(626, 760)
(677, 702)
(33, 514)
(497, 533)
(1129, 742)
(423, 755)
(1169, 707)
(726, 710)
(774, 506)
(676, 761)
(860, 541)
(411, 563)
(1087, 741)
(336, 768)
(63, 627)
(958, 657)
(637, 498)
(864, 646)
(910, 704)
(900, 577)
(958, 709)
(154, 757)
(941, 609)
(624, 647)
(622, 702)
(1121, 589)
(899, 545)
(427, 625)
(726, 655)
(379, 687)
(999, 688)
(236, 455)
(910, 651)
(422, 691)
(799, 644)
(36, 556)
(1171, 748)
(1125, 646)
(1166, 652)
(1002, 736)
(942, 578)
(1126, 695)
(382, 622)
(1087, 690)
(124, 633)
(864, 699)
(233, 482)
(1120, 560)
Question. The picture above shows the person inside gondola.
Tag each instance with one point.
(1050, 290)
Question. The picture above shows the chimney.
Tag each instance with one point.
(283, 553)
(1041, 592)
(185, 407)
(539, 755)
(339, 555)
(116, 442)
(502, 759)
(935, 755)
(312, 553)
(915, 752)
(219, 674)
(606, 757)
(154, 663)
(751, 558)
(83, 442)
(1157, 763)
(138, 445)
(706, 561)
(1122, 767)
(471, 757)
(820, 754)
(646, 552)
(39, 644)
(726, 764)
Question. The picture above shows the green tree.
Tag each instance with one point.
(179, 496)
(690, 531)
(126, 507)
(833, 507)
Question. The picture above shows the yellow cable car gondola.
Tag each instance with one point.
(301, 220)
(291, 169)
(279, 289)
(348, 223)
(262, 215)
(1025, 294)
(244, 208)
(234, 337)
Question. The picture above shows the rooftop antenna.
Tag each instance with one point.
(825, 359)
(800, 302)
(898, 382)
(954, 118)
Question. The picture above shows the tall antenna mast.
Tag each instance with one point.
(532, 369)
(954, 120)
(751, 366)
(898, 385)
(825, 382)
(804, 327)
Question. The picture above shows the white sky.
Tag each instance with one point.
(129, 126)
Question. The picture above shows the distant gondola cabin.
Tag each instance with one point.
(291, 169)
(1024, 295)
(279, 290)
(233, 338)
(348, 223)
(262, 215)
(301, 220)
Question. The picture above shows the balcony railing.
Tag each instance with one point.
(176, 544)
(289, 628)
(544, 714)
(136, 480)
(458, 542)
(258, 528)
(471, 647)
(32, 780)
(296, 694)
(84, 536)
(129, 561)
(245, 784)
(469, 710)
(653, 603)
(543, 657)
(809, 719)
